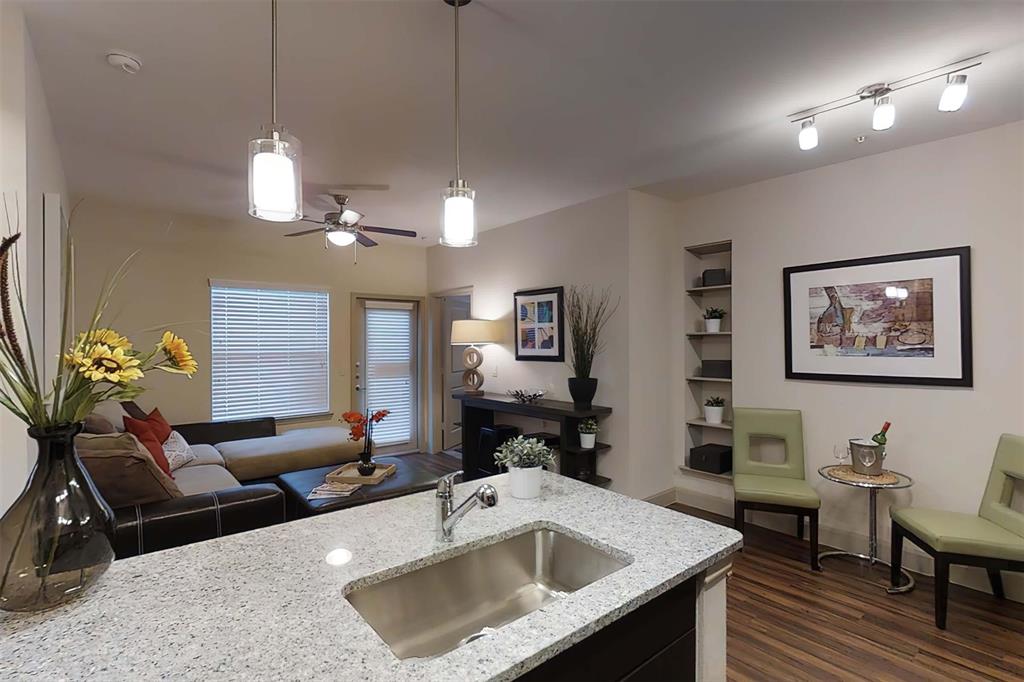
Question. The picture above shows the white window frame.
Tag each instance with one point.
(223, 413)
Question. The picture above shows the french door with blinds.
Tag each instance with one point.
(387, 370)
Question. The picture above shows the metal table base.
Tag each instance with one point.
(872, 555)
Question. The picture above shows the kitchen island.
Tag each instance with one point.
(271, 603)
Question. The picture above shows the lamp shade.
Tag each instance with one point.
(475, 332)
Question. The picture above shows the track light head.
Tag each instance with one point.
(955, 93)
(885, 113)
(808, 137)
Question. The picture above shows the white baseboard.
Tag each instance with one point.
(914, 559)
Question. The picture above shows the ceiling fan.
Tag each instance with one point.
(342, 227)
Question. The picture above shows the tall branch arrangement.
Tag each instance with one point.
(98, 364)
(587, 312)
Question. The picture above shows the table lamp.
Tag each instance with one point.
(474, 333)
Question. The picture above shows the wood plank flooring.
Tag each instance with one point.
(787, 623)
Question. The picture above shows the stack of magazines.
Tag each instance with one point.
(330, 490)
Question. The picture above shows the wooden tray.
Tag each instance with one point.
(349, 473)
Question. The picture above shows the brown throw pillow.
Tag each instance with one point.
(123, 470)
(97, 423)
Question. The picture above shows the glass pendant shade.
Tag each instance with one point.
(458, 221)
(955, 93)
(340, 237)
(275, 175)
(885, 114)
(808, 137)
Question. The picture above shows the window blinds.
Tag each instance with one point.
(270, 350)
(390, 369)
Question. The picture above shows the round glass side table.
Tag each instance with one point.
(889, 480)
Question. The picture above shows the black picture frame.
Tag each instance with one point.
(966, 376)
(558, 347)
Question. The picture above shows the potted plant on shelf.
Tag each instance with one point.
(361, 428)
(714, 408)
(587, 314)
(56, 537)
(588, 433)
(713, 320)
(524, 458)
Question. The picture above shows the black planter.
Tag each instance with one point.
(366, 465)
(55, 538)
(582, 391)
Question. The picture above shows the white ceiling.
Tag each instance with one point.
(563, 100)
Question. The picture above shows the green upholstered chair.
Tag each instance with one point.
(993, 539)
(780, 488)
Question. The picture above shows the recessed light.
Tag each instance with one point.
(860, 139)
(128, 63)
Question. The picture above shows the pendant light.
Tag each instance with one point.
(458, 217)
(275, 159)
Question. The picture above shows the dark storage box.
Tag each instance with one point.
(711, 458)
(717, 369)
(714, 278)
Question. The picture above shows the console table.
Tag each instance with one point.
(478, 412)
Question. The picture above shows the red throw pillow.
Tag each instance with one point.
(159, 425)
(143, 430)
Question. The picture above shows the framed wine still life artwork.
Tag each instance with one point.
(539, 332)
(897, 319)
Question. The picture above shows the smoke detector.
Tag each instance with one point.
(128, 63)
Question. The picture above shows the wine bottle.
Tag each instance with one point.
(880, 436)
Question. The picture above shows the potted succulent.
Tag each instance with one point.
(587, 313)
(588, 432)
(524, 458)
(714, 408)
(713, 320)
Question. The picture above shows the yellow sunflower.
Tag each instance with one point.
(178, 355)
(100, 362)
(108, 337)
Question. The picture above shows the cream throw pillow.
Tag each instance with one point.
(177, 451)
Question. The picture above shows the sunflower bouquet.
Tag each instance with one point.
(98, 364)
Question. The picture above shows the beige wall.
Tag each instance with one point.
(964, 190)
(622, 241)
(582, 244)
(168, 285)
(30, 166)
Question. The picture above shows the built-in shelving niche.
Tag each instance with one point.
(701, 346)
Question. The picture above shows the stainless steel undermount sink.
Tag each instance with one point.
(437, 608)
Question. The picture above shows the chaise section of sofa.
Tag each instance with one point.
(253, 459)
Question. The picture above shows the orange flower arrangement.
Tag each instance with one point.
(361, 424)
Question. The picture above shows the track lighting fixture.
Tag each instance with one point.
(883, 116)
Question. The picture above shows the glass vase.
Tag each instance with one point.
(55, 538)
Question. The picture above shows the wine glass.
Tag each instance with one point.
(840, 451)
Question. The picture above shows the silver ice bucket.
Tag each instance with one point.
(867, 456)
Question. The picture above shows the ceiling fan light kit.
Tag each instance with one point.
(275, 159)
(458, 213)
(883, 116)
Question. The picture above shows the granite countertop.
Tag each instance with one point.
(266, 605)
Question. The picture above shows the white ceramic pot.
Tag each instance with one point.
(713, 415)
(587, 440)
(712, 326)
(525, 482)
